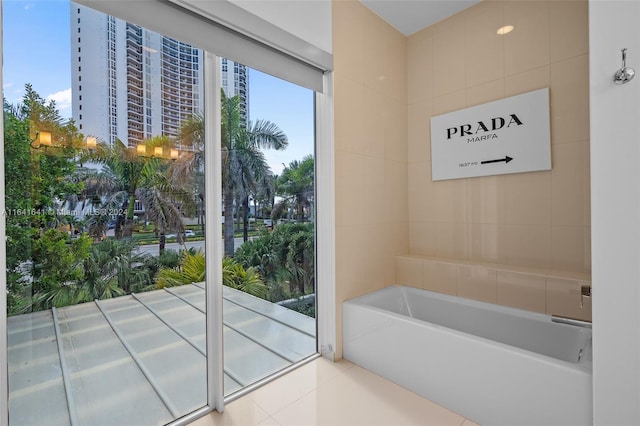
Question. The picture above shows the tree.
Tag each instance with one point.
(127, 177)
(243, 163)
(192, 269)
(115, 268)
(36, 182)
(284, 256)
(57, 270)
(296, 187)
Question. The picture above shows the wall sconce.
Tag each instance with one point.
(141, 149)
(91, 142)
(41, 139)
(158, 152)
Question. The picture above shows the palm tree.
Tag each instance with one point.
(127, 177)
(192, 269)
(242, 161)
(243, 164)
(113, 269)
(296, 186)
(284, 256)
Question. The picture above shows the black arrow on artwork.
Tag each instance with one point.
(506, 159)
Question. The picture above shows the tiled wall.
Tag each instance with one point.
(532, 229)
(524, 288)
(370, 101)
(386, 88)
(533, 220)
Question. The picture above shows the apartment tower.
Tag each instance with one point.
(130, 83)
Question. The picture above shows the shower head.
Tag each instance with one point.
(624, 74)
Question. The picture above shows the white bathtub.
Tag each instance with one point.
(492, 364)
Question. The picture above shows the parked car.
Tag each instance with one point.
(187, 233)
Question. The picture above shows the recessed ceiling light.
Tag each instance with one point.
(505, 30)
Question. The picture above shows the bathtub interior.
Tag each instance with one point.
(522, 329)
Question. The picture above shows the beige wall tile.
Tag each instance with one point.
(563, 298)
(374, 171)
(449, 62)
(440, 277)
(422, 238)
(482, 8)
(349, 198)
(372, 249)
(421, 193)
(373, 123)
(371, 132)
(527, 46)
(420, 70)
(528, 198)
(409, 272)
(395, 192)
(484, 48)
(529, 245)
(396, 242)
(451, 200)
(587, 248)
(419, 131)
(396, 132)
(485, 92)
(570, 185)
(385, 59)
(349, 166)
(374, 46)
(568, 37)
(349, 36)
(537, 78)
(449, 102)
(486, 200)
(487, 243)
(477, 282)
(569, 98)
(451, 240)
(571, 248)
(522, 291)
(349, 115)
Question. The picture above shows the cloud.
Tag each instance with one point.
(63, 101)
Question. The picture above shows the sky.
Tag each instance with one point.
(36, 50)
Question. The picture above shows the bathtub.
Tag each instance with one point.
(492, 364)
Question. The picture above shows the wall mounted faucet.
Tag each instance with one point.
(585, 291)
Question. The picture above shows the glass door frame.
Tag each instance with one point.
(325, 234)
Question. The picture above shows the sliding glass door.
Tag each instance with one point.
(160, 211)
(268, 185)
(104, 184)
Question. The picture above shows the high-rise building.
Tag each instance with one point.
(130, 83)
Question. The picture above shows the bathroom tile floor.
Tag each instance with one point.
(326, 393)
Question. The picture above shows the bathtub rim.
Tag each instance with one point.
(583, 366)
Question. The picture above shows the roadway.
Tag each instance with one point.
(152, 249)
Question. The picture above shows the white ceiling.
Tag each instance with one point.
(410, 16)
